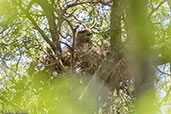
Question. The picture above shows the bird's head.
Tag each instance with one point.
(83, 37)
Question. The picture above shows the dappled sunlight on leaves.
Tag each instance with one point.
(46, 95)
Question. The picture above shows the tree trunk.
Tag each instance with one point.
(141, 41)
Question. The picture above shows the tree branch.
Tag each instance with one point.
(52, 24)
(156, 8)
(87, 2)
(30, 5)
(37, 27)
(115, 35)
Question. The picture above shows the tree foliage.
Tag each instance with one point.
(39, 60)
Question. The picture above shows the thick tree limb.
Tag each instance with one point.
(141, 56)
(52, 22)
(115, 40)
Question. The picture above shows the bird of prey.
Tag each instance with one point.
(86, 58)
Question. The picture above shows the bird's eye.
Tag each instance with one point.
(88, 40)
(82, 31)
(89, 34)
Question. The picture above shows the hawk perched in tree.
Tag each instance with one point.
(86, 57)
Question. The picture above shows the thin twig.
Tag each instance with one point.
(161, 3)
